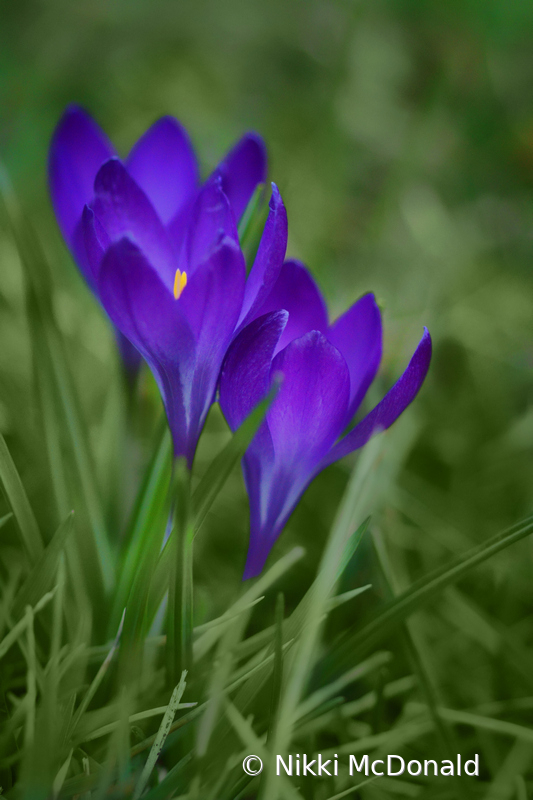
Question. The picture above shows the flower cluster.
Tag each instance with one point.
(161, 252)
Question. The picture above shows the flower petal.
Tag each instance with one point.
(245, 377)
(280, 488)
(244, 382)
(210, 220)
(268, 261)
(357, 335)
(242, 169)
(164, 165)
(78, 150)
(211, 303)
(131, 358)
(141, 307)
(124, 210)
(389, 409)
(296, 292)
(308, 413)
(212, 299)
(90, 242)
(178, 226)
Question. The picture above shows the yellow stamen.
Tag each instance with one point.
(180, 282)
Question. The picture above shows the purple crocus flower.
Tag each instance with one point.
(163, 255)
(326, 371)
(161, 182)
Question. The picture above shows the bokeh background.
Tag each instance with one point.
(400, 133)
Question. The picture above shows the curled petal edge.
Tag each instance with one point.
(389, 408)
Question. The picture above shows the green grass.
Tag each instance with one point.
(394, 615)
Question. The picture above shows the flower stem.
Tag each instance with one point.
(180, 606)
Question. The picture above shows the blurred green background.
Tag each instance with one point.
(400, 134)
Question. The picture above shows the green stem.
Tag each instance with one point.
(180, 601)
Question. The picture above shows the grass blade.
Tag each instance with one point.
(41, 576)
(248, 220)
(423, 590)
(340, 543)
(278, 663)
(98, 678)
(259, 588)
(151, 499)
(48, 340)
(19, 504)
(218, 683)
(31, 686)
(499, 726)
(137, 620)
(162, 734)
(9, 640)
(59, 780)
(170, 783)
(320, 696)
(352, 789)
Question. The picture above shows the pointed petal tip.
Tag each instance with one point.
(277, 319)
(256, 558)
(242, 169)
(226, 242)
(256, 139)
(78, 148)
(168, 119)
(276, 200)
(252, 570)
(87, 213)
(369, 298)
(425, 346)
(112, 167)
(125, 246)
(74, 121)
(73, 110)
(373, 305)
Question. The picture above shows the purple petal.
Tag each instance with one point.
(212, 298)
(164, 165)
(131, 358)
(357, 335)
(296, 292)
(178, 226)
(279, 489)
(389, 409)
(141, 307)
(245, 377)
(211, 303)
(242, 169)
(78, 150)
(123, 210)
(274, 492)
(90, 243)
(268, 261)
(308, 413)
(210, 220)
(244, 382)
